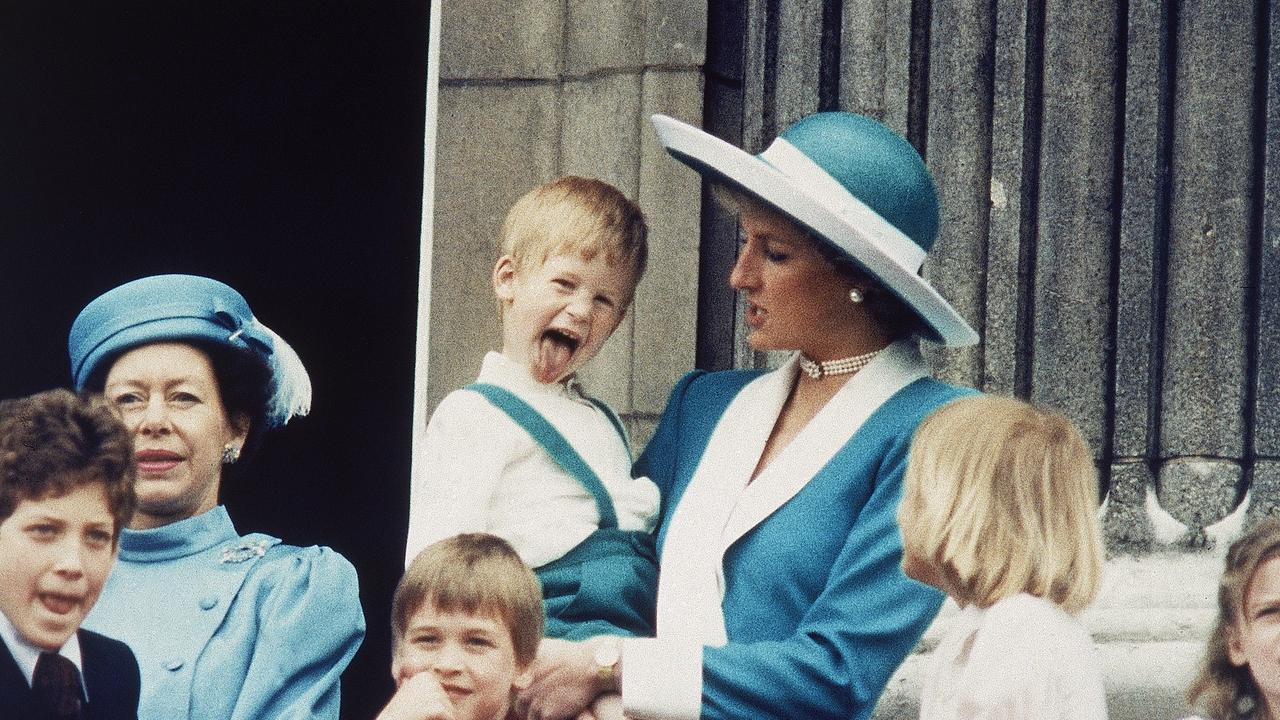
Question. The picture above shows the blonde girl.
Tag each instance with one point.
(999, 511)
(1240, 677)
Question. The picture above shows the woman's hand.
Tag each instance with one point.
(419, 698)
(565, 682)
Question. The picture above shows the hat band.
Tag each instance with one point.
(836, 198)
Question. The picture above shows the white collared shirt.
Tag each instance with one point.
(1023, 658)
(27, 655)
(481, 472)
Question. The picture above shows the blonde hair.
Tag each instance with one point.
(1001, 498)
(476, 574)
(578, 215)
(1224, 690)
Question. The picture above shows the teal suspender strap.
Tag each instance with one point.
(546, 435)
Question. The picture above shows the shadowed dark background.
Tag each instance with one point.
(277, 146)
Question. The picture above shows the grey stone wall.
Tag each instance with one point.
(531, 90)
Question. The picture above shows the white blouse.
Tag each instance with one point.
(1023, 658)
(481, 472)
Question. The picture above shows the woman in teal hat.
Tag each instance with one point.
(224, 625)
(780, 590)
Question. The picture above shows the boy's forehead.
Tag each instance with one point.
(433, 613)
(620, 271)
(85, 497)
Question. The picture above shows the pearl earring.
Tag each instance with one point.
(856, 296)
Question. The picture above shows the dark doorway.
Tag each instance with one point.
(275, 145)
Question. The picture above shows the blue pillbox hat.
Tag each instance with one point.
(176, 308)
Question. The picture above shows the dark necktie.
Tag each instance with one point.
(56, 684)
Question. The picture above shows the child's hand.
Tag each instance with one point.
(419, 698)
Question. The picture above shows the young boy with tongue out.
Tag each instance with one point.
(524, 453)
(66, 489)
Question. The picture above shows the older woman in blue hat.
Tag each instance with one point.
(224, 625)
(780, 592)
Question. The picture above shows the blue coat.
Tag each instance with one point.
(227, 627)
(816, 611)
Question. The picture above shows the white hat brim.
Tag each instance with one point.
(710, 155)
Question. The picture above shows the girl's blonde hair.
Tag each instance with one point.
(1001, 498)
(1223, 690)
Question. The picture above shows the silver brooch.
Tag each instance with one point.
(245, 551)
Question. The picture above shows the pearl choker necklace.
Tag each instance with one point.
(843, 366)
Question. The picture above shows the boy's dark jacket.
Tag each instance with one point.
(110, 674)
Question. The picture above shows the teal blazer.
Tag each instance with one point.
(817, 611)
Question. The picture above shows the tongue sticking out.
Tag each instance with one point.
(551, 359)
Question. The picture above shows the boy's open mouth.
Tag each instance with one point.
(59, 604)
(555, 352)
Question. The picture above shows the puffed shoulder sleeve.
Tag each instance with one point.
(309, 627)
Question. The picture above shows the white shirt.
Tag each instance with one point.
(1023, 658)
(481, 472)
(26, 655)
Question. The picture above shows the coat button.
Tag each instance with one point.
(208, 602)
(173, 664)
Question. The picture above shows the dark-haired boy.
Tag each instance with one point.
(66, 489)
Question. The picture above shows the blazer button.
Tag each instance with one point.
(208, 602)
(173, 664)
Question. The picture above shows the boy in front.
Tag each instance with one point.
(466, 622)
(66, 489)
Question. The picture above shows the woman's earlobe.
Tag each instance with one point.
(241, 424)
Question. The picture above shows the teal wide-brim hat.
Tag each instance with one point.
(185, 308)
(851, 182)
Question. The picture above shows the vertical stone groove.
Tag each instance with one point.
(769, 109)
(1162, 230)
(1032, 122)
(1257, 236)
(1107, 451)
(918, 76)
(829, 65)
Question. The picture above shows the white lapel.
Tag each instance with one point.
(689, 587)
(719, 505)
(897, 366)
